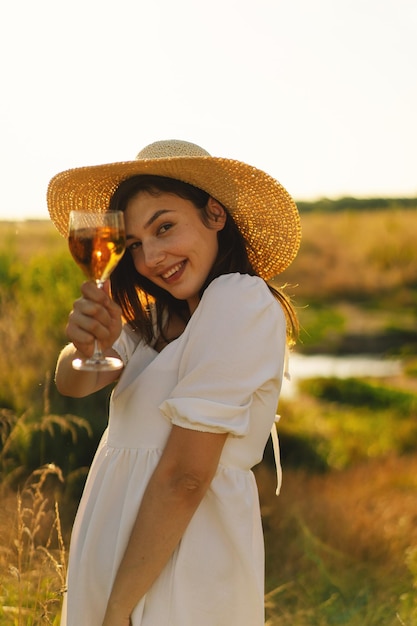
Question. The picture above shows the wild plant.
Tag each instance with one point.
(409, 599)
(33, 557)
(23, 438)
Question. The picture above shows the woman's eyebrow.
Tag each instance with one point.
(155, 216)
(150, 221)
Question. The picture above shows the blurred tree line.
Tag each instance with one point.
(349, 203)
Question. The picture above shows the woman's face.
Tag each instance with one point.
(169, 243)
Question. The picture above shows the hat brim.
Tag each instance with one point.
(263, 210)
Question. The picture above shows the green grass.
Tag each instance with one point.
(337, 423)
(341, 546)
(341, 540)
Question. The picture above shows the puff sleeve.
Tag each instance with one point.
(126, 344)
(235, 348)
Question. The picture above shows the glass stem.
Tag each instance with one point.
(98, 353)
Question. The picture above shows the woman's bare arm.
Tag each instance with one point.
(78, 384)
(175, 490)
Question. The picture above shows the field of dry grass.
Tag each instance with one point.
(355, 280)
(342, 546)
(350, 254)
(32, 553)
(29, 238)
(341, 539)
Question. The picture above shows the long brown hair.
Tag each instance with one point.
(137, 295)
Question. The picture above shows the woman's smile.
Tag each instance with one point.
(170, 244)
(174, 272)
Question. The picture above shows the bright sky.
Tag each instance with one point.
(321, 94)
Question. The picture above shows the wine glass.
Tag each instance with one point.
(97, 243)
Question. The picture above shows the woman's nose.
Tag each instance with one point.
(153, 253)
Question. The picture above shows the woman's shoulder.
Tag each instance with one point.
(240, 287)
(234, 294)
(235, 311)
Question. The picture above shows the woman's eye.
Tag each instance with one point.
(164, 228)
(134, 246)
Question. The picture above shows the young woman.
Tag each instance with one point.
(168, 531)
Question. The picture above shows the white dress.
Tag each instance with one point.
(223, 374)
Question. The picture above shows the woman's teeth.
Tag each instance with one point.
(172, 271)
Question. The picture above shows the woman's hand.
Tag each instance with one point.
(94, 316)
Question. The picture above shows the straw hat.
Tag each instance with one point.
(264, 211)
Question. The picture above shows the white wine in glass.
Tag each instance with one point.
(97, 243)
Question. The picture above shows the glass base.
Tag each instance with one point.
(107, 364)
